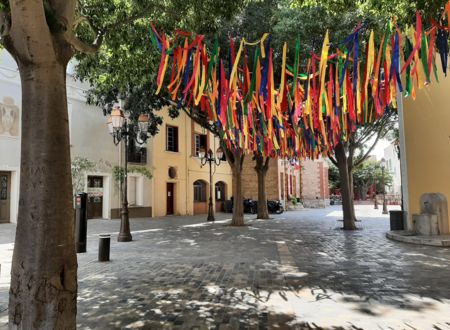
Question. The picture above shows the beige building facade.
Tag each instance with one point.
(425, 145)
(180, 184)
(89, 141)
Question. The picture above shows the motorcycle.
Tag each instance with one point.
(275, 207)
(250, 206)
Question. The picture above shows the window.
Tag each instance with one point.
(200, 142)
(137, 154)
(220, 191)
(290, 184)
(172, 138)
(282, 185)
(224, 157)
(199, 191)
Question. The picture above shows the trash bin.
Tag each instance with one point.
(104, 245)
(396, 219)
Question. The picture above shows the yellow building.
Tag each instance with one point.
(179, 184)
(425, 149)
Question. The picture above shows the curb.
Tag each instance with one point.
(409, 237)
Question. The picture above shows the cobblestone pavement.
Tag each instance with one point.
(296, 271)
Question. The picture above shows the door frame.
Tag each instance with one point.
(106, 211)
(173, 198)
(7, 202)
(13, 191)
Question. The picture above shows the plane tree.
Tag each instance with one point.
(43, 36)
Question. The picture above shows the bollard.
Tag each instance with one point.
(80, 222)
(104, 244)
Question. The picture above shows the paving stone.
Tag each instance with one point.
(295, 271)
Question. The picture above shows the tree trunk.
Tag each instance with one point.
(43, 289)
(364, 190)
(238, 202)
(348, 207)
(262, 166)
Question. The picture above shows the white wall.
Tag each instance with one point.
(89, 138)
(393, 166)
(10, 144)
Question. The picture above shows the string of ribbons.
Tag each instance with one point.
(303, 114)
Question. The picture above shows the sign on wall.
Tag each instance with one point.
(9, 117)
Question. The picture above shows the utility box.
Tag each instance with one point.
(81, 222)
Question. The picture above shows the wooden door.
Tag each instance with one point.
(170, 198)
(5, 196)
(95, 197)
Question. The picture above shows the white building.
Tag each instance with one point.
(89, 139)
(393, 167)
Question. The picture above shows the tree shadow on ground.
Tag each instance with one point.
(267, 295)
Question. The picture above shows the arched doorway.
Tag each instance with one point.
(200, 204)
(220, 195)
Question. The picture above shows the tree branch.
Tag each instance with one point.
(332, 159)
(80, 45)
(242, 161)
(381, 132)
(266, 164)
(64, 10)
(5, 24)
(360, 160)
(351, 154)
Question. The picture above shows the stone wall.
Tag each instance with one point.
(250, 179)
(315, 191)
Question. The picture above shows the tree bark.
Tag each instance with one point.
(261, 168)
(43, 288)
(348, 206)
(236, 159)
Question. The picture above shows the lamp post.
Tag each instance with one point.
(118, 127)
(383, 165)
(208, 157)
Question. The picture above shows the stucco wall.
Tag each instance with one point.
(427, 139)
(89, 138)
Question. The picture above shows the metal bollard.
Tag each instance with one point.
(80, 222)
(104, 244)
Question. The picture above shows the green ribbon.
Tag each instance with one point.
(249, 96)
(297, 51)
(424, 57)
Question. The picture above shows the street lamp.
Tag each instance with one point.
(208, 157)
(375, 203)
(383, 166)
(118, 127)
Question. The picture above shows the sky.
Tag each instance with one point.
(378, 151)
